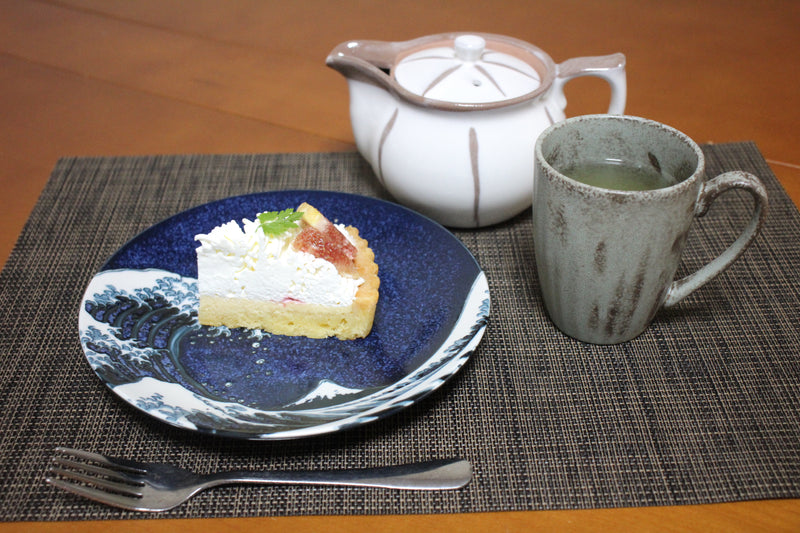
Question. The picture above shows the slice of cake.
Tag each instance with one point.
(291, 272)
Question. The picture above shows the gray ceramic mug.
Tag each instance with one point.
(606, 259)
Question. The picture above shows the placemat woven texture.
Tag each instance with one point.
(703, 407)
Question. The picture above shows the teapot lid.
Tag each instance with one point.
(467, 70)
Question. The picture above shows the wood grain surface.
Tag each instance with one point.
(120, 77)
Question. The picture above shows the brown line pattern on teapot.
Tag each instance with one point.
(476, 178)
(384, 134)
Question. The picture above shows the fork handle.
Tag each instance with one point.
(441, 474)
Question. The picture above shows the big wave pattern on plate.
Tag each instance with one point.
(138, 329)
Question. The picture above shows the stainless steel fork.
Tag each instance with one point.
(159, 487)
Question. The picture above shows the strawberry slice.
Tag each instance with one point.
(319, 237)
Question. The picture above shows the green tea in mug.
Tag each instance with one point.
(619, 175)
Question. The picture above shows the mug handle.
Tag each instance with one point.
(737, 179)
(610, 68)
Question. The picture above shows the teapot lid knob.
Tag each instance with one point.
(469, 47)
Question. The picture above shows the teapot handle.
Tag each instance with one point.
(610, 68)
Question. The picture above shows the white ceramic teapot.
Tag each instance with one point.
(449, 122)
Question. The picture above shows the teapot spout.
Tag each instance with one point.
(367, 61)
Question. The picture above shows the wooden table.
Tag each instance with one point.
(112, 77)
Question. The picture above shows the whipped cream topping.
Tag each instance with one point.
(243, 262)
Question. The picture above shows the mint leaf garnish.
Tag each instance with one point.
(276, 222)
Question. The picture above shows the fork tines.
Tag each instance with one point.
(95, 476)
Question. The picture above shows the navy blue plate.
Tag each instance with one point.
(139, 330)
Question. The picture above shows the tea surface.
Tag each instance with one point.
(618, 175)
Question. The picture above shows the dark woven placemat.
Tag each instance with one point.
(703, 407)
